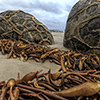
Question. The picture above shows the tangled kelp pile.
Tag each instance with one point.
(68, 60)
(77, 79)
(47, 86)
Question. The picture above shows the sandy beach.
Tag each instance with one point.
(9, 68)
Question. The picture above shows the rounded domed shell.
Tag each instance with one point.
(23, 26)
(83, 27)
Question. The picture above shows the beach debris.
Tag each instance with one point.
(48, 86)
(69, 60)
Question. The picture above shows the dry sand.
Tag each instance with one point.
(9, 68)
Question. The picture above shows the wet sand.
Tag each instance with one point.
(9, 68)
